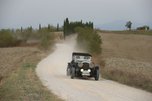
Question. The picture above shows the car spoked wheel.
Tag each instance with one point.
(72, 73)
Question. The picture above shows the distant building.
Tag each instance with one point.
(143, 28)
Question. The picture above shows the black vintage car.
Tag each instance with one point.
(82, 66)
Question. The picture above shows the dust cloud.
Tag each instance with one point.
(62, 55)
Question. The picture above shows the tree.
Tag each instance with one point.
(57, 27)
(21, 29)
(66, 25)
(69, 27)
(49, 27)
(128, 25)
(29, 29)
(39, 27)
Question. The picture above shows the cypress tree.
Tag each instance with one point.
(49, 27)
(39, 27)
(69, 27)
(57, 27)
(21, 29)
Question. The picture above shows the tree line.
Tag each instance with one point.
(21, 36)
(69, 27)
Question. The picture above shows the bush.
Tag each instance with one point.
(27, 37)
(7, 39)
(89, 40)
(46, 39)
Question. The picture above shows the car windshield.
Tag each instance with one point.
(77, 57)
(86, 57)
(82, 57)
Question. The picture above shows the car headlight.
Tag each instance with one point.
(89, 70)
(81, 70)
(80, 64)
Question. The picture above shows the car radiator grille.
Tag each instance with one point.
(85, 65)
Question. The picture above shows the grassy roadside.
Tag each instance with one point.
(128, 59)
(23, 84)
(129, 72)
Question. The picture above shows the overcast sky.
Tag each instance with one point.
(17, 13)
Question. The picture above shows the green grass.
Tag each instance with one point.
(24, 85)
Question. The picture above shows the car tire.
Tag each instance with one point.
(72, 73)
(96, 74)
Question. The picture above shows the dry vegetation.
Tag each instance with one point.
(10, 58)
(19, 81)
(128, 59)
(137, 32)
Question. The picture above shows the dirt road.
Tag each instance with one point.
(52, 72)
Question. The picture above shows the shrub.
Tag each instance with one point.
(46, 39)
(7, 39)
(89, 40)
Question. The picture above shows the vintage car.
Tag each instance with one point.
(82, 66)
